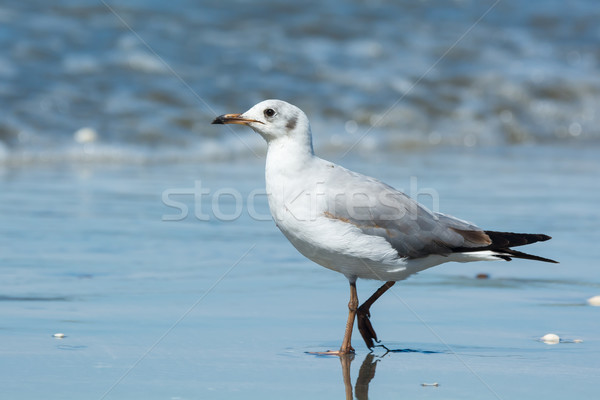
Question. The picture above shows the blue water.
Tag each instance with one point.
(227, 308)
(146, 76)
(142, 233)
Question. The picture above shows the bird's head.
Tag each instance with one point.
(272, 119)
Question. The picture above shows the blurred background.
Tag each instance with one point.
(488, 109)
(147, 76)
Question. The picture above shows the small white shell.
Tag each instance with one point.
(550, 338)
(59, 335)
(594, 301)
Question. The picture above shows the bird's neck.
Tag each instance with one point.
(289, 156)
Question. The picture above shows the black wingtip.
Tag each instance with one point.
(512, 239)
(503, 241)
(508, 254)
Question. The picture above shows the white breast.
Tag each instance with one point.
(298, 204)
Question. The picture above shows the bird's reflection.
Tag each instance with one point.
(365, 375)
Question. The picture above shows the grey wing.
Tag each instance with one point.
(412, 230)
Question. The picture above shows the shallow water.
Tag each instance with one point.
(227, 309)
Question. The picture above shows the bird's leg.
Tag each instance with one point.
(352, 307)
(346, 345)
(362, 315)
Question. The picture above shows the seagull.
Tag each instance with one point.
(357, 225)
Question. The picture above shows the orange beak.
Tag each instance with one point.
(233, 119)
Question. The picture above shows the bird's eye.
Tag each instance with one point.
(269, 112)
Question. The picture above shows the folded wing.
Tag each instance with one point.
(413, 230)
